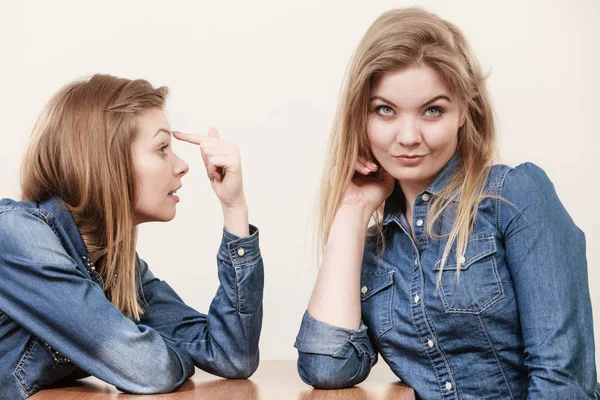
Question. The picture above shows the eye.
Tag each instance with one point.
(434, 112)
(386, 111)
(162, 150)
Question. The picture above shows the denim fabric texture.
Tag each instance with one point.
(57, 325)
(515, 324)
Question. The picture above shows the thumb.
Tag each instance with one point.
(213, 132)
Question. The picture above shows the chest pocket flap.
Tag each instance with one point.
(373, 284)
(478, 248)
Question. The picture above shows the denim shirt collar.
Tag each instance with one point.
(58, 209)
(393, 204)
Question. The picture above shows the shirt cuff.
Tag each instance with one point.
(240, 251)
(321, 338)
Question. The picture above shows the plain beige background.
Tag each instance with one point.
(267, 74)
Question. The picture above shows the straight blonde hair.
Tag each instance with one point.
(80, 151)
(396, 40)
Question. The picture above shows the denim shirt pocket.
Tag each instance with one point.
(478, 285)
(376, 297)
(40, 366)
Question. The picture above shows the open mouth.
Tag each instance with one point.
(174, 192)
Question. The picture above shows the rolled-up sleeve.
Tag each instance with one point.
(331, 357)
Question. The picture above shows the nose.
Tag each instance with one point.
(181, 167)
(408, 132)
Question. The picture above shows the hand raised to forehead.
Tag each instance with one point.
(223, 165)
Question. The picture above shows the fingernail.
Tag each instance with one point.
(373, 166)
(367, 170)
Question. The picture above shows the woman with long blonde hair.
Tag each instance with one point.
(75, 298)
(471, 280)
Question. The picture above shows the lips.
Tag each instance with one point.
(410, 160)
(409, 156)
(174, 192)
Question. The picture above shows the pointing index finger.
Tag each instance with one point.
(191, 138)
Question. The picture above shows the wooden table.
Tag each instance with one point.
(274, 380)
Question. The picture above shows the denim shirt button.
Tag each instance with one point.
(429, 343)
(462, 260)
(448, 386)
(241, 252)
(364, 289)
(425, 197)
(420, 222)
(417, 298)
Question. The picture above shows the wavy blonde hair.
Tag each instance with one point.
(397, 39)
(80, 151)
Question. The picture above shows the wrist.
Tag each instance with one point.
(235, 219)
(238, 203)
(235, 208)
(359, 213)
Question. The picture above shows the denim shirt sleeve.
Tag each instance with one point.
(545, 254)
(43, 290)
(224, 342)
(331, 357)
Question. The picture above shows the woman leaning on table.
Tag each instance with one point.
(75, 298)
(472, 283)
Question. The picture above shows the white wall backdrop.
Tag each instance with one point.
(267, 74)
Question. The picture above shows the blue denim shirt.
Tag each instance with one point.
(56, 324)
(516, 324)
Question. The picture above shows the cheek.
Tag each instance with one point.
(150, 176)
(380, 135)
(442, 136)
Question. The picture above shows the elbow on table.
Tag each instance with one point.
(327, 372)
(238, 367)
(153, 378)
(151, 385)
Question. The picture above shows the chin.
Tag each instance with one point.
(405, 174)
(168, 217)
(156, 217)
(412, 177)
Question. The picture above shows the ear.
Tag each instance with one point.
(462, 120)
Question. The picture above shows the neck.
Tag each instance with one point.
(410, 192)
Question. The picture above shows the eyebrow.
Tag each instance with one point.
(428, 102)
(162, 130)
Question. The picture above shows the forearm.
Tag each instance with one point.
(229, 347)
(336, 296)
(225, 341)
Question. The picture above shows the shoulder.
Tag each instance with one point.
(524, 181)
(19, 214)
(528, 195)
(25, 228)
(7, 204)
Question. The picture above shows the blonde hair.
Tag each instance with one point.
(80, 151)
(398, 39)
